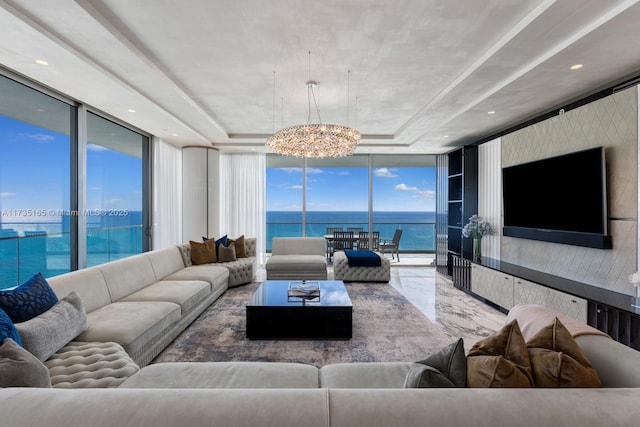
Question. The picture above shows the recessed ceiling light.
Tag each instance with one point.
(576, 66)
(131, 110)
(491, 112)
(42, 62)
(174, 134)
(39, 110)
(446, 136)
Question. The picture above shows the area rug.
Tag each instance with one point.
(386, 328)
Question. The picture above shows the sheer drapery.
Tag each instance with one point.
(167, 194)
(242, 197)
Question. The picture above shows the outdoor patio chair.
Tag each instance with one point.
(392, 245)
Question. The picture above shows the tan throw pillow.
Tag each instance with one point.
(226, 253)
(241, 250)
(203, 253)
(500, 360)
(558, 361)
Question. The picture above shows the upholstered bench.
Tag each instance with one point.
(90, 365)
(342, 270)
(297, 258)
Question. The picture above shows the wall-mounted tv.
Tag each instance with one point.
(560, 199)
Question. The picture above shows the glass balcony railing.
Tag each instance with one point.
(28, 252)
(416, 237)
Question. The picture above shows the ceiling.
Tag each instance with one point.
(413, 76)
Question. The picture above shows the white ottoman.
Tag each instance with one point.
(342, 270)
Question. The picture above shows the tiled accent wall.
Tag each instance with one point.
(611, 122)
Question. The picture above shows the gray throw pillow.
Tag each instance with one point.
(19, 368)
(446, 368)
(47, 333)
(226, 253)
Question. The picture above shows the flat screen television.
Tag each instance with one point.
(560, 199)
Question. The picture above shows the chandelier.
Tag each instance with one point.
(314, 140)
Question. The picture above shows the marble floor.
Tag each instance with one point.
(459, 314)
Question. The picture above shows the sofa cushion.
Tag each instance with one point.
(226, 253)
(186, 293)
(364, 374)
(225, 375)
(50, 331)
(165, 261)
(89, 283)
(203, 252)
(558, 361)
(216, 275)
(132, 324)
(445, 368)
(241, 251)
(500, 360)
(127, 275)
(19, 368)
(28, 300)
(8, 329)
(90, 365)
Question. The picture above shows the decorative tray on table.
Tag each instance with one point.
(303, 289)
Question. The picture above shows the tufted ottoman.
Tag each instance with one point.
(342, 270)
(90, 365)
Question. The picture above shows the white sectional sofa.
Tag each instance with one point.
(143, 302)
(356, 394)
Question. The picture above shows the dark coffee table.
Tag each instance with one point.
(272, 314)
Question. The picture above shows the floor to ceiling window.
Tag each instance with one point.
(62, 208)
(374, 192)
(114, 191)
(35, 183)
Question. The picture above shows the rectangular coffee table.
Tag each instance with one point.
(272, 314)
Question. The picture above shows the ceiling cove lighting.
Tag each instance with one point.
(314, 140)
(42, 62)
(576, 67)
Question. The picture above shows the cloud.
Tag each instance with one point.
(291, 170)
(416, 191)
(385, 173)
(343, 173)
(7, 194)
(314, 171)
(404, 187)
(295, 187)
(40, 137)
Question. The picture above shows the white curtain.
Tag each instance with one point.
(242, 198)
(167, 194)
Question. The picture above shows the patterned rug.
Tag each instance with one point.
(386, 328)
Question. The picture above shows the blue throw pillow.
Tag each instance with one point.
(8, 329)
(28, 300)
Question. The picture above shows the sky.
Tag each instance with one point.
(346, 189)
(34, 175)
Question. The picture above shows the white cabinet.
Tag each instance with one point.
(526, 292)
(507, 291)
(492, 285)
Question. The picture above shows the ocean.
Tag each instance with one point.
(418, 228)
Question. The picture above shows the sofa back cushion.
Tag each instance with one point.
(89, 283)
(297, 246)
(165, 261)
(128, 275)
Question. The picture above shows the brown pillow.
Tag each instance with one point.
(558, 361)
(226, 253)
(500, 360)
(241, 251)
(203, 253)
